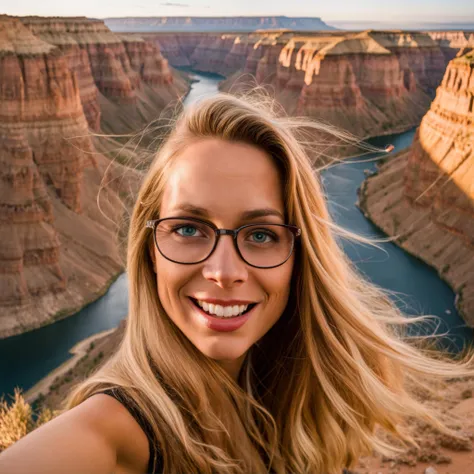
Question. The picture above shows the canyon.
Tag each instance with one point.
(64, 189)
(368, 83)
(68, 84)
(424, 196)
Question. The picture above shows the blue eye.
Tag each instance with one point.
(189, 231)
(261, 236)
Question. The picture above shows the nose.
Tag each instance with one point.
(225, 267)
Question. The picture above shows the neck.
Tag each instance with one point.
(233, 367)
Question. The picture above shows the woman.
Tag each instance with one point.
(252, 344)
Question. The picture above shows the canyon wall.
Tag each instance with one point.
(123, 80)
(58, 250)
(425, 196)
(369, 83)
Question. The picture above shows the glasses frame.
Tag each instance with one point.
(296, 231)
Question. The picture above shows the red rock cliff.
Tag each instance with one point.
(58, 33)
(58, 251)
(370, 83)
(426, 195)
(147, 60)
(124, 81)
(108, 59)
(350, 80)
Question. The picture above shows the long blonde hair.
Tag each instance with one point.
(337, 364)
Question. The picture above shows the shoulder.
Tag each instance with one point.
(99, 435)
(115, 421)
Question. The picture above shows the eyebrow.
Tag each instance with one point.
(246, 215)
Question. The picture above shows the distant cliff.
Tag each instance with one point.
(213, 24)
(370, 83)
(59, 78)
(426, 195)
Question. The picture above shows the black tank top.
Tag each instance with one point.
(154, 451)
(145, 426)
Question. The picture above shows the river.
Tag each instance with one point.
(27, 358)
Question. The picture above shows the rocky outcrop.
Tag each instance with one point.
(215, 24)
(56, 33)
(109, 63)
(58, 248)
(176, 48)
(146, 60)
(369, 83)
(451, 42)
(418, 53)
(425, 196)
(349, 80)
(116, 71)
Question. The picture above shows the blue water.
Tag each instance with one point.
(419, 289)
(27, 358)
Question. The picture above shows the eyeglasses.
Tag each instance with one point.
(189, 240)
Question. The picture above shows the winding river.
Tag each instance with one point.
(27, 358)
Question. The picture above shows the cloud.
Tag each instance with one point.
(173, 4)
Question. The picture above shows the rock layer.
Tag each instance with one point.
(426, 195)
(57, 32)
(369, 83)
(112, 71)
(58, 250)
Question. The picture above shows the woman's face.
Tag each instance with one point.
(226, 179)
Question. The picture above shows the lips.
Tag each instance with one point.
(221, 324)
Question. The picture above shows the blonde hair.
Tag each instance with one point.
(311, 392)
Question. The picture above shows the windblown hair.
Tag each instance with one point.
(337, 365)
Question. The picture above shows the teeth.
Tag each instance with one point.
(222, 311)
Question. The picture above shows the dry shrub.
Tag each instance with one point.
(18, 419)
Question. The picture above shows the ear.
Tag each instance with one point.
(151, 252)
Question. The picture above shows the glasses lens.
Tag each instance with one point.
(266, 245)
(184, 241)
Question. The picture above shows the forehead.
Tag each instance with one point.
(223, 177)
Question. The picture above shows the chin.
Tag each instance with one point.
(224, 350)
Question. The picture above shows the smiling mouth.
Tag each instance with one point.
(211, 310)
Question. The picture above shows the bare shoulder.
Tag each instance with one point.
(121, 428)
(97, 436)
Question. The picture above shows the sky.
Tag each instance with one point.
(355, 10)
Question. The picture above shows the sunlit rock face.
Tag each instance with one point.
(440, 171)
(364, 83)
(416, 52)
(60, 33)
(109, 63)
(426, 195)
(368, 83)
(58, 247)
(451, 42)
(124, 81)
(358, 84)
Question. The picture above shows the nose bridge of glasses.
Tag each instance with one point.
(231, 232)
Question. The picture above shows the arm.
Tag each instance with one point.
(98, 436)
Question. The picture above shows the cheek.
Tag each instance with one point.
(170, 278)
(278, 283)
